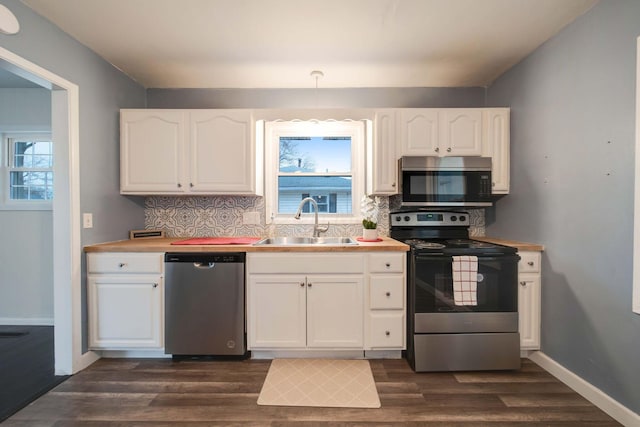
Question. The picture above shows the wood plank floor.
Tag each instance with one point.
(162, 392)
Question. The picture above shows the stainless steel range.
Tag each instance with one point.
(462, 295)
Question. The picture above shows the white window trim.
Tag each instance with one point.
(275, 129)
(6, 203)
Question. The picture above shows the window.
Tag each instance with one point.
(28, 171)
(321, 160)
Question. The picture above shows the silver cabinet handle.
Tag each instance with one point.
(388, 294)
(523, 283)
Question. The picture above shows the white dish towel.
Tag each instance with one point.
(465, 280)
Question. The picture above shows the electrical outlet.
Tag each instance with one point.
(251, 218)
(87, 220)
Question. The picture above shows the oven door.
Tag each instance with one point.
(446, 188)
(435, 309)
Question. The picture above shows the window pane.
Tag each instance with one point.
(31, 185)
(33, 154)
(332, 193)
(315, 154)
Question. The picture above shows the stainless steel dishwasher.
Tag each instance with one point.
(204, 304)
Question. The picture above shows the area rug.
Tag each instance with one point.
(320, 382)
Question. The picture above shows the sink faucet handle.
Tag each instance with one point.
(321, 229)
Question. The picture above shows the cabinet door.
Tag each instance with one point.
(496, 145)
(419, 131)
(335, 311)
(276, 315)
(460, 131)
(382, 167)
(152, 151)
(222, 156)
(125, 311)
(529, 294)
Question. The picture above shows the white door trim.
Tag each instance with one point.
(67, 253)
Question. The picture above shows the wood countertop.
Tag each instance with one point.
(164, 245)
(521, 246)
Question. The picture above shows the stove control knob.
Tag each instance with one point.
(407, 218)
(398, 218)
(462, 218)
(453, 218)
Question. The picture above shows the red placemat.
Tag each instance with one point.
(360, 239)
(218, 241)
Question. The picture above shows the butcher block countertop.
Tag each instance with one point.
(521, 246)
(164, 245)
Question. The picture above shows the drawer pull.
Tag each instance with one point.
(388, 264)
(523, 283)
(530, 263)
(302, 284)
(155, 285)
(310, 284)
(388, 294)
(387, 333)
(122, 264)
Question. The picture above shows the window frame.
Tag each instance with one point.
(356, 129)
(6, 202)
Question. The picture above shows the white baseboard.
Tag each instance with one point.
(134, 354)
(32, 321)
(612, 407)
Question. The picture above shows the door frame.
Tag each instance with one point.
(67, 251)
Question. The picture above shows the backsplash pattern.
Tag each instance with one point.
(222, 216)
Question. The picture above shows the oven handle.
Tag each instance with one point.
(510, 257)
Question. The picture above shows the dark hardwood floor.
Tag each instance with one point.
(26, 366)
(162, 392)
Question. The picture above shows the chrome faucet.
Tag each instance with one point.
(317, 229)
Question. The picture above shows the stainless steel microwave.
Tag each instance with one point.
(445, 181)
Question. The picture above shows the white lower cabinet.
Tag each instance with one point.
(529, 299)
(125, 300)
(386, 296)
(293, 304)
(323, 301)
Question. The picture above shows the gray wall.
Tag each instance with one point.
(103, 91)
(26, 294)
(572, 173)
(320, 98)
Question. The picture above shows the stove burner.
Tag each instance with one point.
(421, 244)
(458, 242)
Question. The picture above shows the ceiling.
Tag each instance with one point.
(278, 43)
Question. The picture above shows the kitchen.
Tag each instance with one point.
(588, 325)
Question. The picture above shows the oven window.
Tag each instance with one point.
(432, 285)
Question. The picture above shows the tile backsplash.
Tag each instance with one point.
(222, 216)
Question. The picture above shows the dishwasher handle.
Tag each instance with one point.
(203, 265)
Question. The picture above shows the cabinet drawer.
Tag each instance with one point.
(529, 262)
(386, 263)
(125, 262)
(386, 330)
(386, 291)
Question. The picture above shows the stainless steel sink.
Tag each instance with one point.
(299, 241)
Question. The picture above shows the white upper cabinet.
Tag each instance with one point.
(495, 125)
(152, 151)
(382, 154)
(419, 131)
(460, 132)
(441, 132)
(189, 151)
